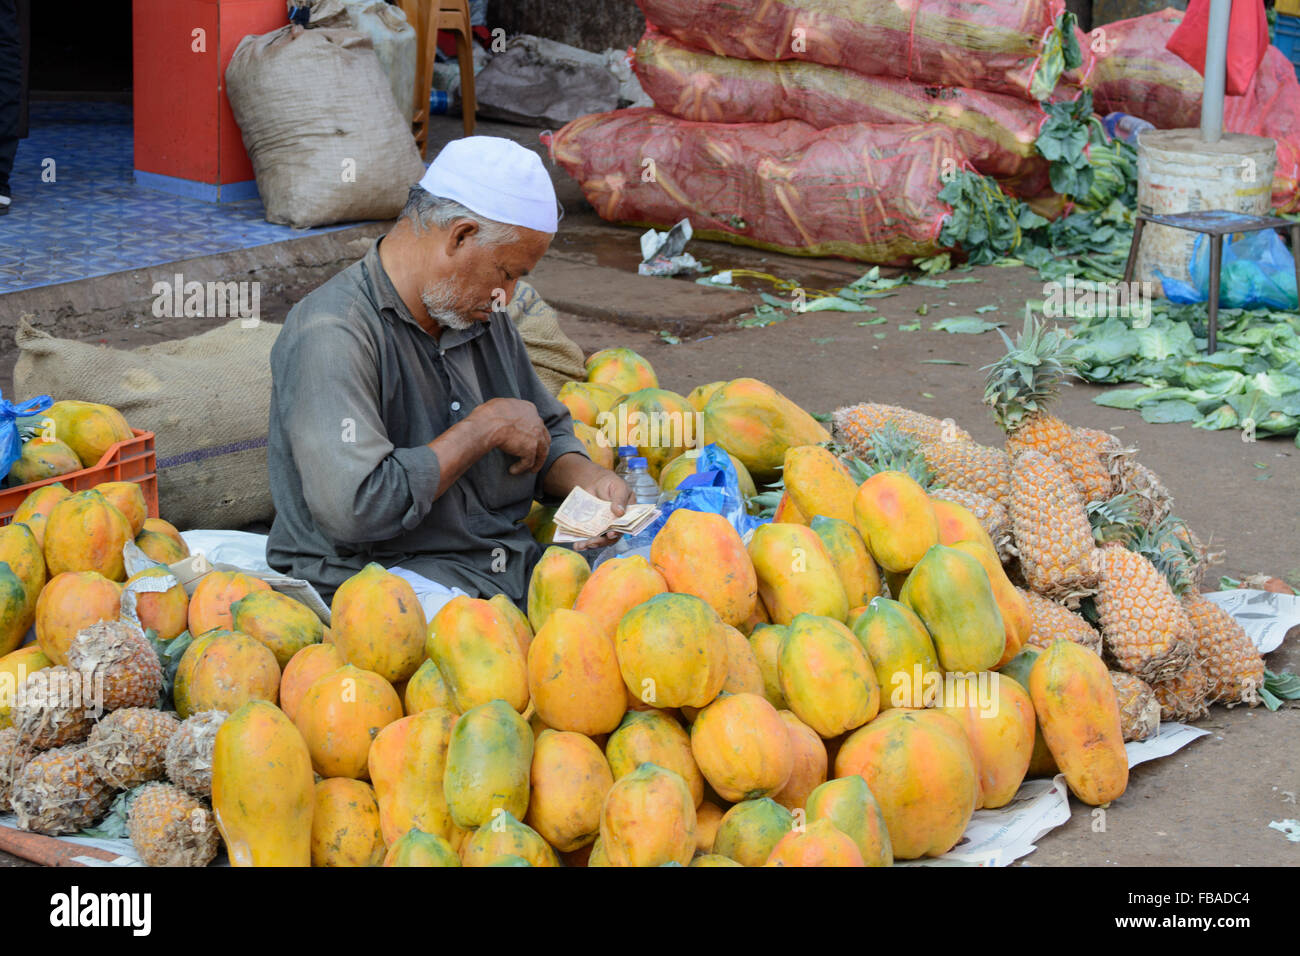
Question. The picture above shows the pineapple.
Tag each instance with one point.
(189, 752)
(1053, 622)
(1153, 498)
(888, 448)
(1051, 528)
(1142, 620)
(51, 709)
(58, 791)
(119, 655)
(128, 746)
(1182, 697)
(170, 827)
(855, 424)
(1231, 661)
(13, 754)
(1103, 443)
(992, 517)
(966, 466)
(1139, 709)
(1021, 385)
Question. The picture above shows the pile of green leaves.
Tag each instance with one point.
(986, 223)
(1063, 142)
(1061, 54)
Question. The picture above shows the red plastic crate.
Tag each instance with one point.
(130, 460)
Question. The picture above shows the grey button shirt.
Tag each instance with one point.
(358, 390)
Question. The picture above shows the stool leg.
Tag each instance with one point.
(1216, 257)
(1131, 264)
(465, 57)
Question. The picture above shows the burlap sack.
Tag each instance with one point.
(207, 400)
(318, 119)
(554, 356)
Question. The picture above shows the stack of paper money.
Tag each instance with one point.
(583, 516)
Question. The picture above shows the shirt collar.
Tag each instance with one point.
(386, 296)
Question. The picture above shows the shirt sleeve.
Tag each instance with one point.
(357, 485)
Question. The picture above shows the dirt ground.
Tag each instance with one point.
(1208, 805)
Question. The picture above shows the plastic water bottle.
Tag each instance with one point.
(1125, 126)
(644, 489)
(624, 453)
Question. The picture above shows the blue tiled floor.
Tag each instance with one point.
(93, 219)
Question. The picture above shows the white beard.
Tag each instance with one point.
(438, 298)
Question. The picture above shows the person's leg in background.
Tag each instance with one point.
(13, 88)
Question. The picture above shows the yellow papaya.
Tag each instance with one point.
(128, 498)
(765, 641)
(848, 803)
(758, 424)
(951, 594)
(699, 396)
(573, 675)
(616, 587)
(672, 651)
(848, 553)
(896, 519)
(826, 676)
(88, 428)
(750, 829)
(621, 369)
(742, 747)
(164, 612)
(426, 690)
(378, 624)
(702, 554)
(556, 581)
(417, 848)
(998, 718)
(648, 819)
(660, 424)
(687, 463)
(340, 716)
(810, 763)
(35, 509)
(223, 670)
(477, 652)
(653, 736)
(1041, 761)
(818, 844)
(313, 661)
(14, 670)
(818, 483)
(503, 838)
(517, 620)
(84, 532)
(43, 458)
(1017, 618)
(957, 523)
(406, 763)
(70, 602)
(488, 763)
(345, 825)
(795, 574)
(787, 512)
(21, 557)
(596, 442)
(901, 652)
(284, 625)
(568, 781)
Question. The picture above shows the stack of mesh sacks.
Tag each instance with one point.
(822, 127)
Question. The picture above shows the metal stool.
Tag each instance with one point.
(1215, 223)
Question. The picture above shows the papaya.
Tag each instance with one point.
(540, 523)
(765, 641)
(708, 817)
(687, 463)
(848, 803)
(712, 859)
(621, 369)
(744, 676)
(313, 661)
(660, 424)
(159, 526)
(896, 519)
(759, 617)
(787, 512)
(1041, 762)
(263, 794)
(223, 670)
(854, 614)
(160, 547)
(957, 524)
(22, 576)
(818, 844)
(340, 716)
(216, 592)
(758, 424)
(652, 736)
(406, 764)
(951, 594)
(901, 652)
(701, 553)
(1075, 702)
(284, 625)
(596, 442)
(648, 819)
(742, 746)
(998, 718)
(35, 510)
(568, 781)
(128, 498)
(848, 553)
(88, 428)
(573, 675)
(477, 653)
(810, 764)
(517, 620)
(919, 766)
(489, 760)
(556, 581)
(378, 623)
(672, 651)
(70, 602)
(750, 829)
(345, 825)
(580, 403)
(826, 676)
(417, 848)
(795, 574)
(818, 483)
(43, 458)
(84, 532)
(699, 396)
(616, 587)
(426, 690)
(165, 612)
(506, 839)
(14, 670)
(1017, 618)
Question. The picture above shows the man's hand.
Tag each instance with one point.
(571, 471)
(514, 426)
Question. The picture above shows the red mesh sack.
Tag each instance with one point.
(856, 191)
(996, 132)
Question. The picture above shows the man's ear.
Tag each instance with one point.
(460, 234)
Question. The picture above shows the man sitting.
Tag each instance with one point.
(407, 426)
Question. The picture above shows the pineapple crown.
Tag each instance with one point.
(1115, 520)
(1167, 545)
(892, 449)
(1027, 379)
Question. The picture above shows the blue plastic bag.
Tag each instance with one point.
(1257, 273)
(11, 443)
(713, 488)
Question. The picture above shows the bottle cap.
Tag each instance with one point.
(626, 451)
(637, 462)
